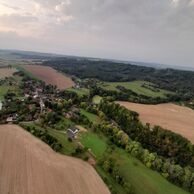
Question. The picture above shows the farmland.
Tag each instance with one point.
(30, 166)
(170, 116)
(50, 76)
(137, 87)
(6, 72)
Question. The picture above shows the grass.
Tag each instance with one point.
(63, 124)
(80, 91)
(135, 86)
(68, 146)
(110, 181)
(3, 91)
(143, 179)
(137, 175)
(94, 142)
(92, 117)
(96, 99)
(5, 88)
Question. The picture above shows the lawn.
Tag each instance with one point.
(92, 117)
(135, 86)
(94, 142)
(3, 91)
(80, 91)
(143, 179)
(96, 99)
(68, 146)
(64, 124)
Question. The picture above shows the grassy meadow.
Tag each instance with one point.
(79, 91)
(92, 117)
(135, 86)
(96, 99)
(137, 175)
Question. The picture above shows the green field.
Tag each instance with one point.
(135, 86)
(80, 91)
(94, 142)
(63, 124)
(96, 99)
(4, 89)
(92, 117)
(68, 146)
(142, 179)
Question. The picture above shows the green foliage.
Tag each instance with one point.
(164, 142)
(94, 142)
(80, 91)
(96, 99)
(44, 136)
(181, 82)
(92, 117)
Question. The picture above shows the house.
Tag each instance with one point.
(72, 132)
(12, 118)
(9, 119)
(42, 105)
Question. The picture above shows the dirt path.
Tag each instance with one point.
(170, 116)
(50, 76)
(29, 166)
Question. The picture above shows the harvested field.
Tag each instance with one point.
(176, 118)
(50, 76)
(29, 166)
(6, 72)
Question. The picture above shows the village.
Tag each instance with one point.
(35, 102)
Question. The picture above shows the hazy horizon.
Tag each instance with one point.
(143, 31)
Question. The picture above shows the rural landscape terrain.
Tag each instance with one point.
(77, 125)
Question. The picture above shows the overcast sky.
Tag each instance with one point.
(141, 30)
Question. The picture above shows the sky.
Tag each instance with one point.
(159, 31)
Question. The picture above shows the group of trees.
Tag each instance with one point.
(44, 136)
(175, 173)
(161, 150)
(111, 167)
(163, 142)
(128, 95)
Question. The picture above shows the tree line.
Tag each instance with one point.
(164, 142)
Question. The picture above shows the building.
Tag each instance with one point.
(72, 133)
(12, 118)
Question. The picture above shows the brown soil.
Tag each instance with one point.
(50, 76)
(170, 116)
(29, 166)
(6, 72)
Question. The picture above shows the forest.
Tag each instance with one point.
(181, 82)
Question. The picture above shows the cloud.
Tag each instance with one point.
(148, 30)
